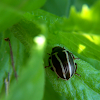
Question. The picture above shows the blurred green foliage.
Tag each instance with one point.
(62, 8)
(34, 28)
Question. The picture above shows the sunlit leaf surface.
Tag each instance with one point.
(33, 35)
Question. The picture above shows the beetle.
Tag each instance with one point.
(62, 62)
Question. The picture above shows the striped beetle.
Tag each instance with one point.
(62, 62)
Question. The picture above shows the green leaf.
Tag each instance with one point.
(74, 33)
(28, 5)
(11, 11)
(79, 34)
(57, 7)
(25, 30)
(5, 59)
(31, 78)
(62, 7)
(8, 13)
(30, 84)
(87, 86)
(50, 93)
(78, 39)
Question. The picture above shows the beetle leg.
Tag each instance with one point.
(49, 63)
(48, 54)
(52, 69)
(76, 69)
(57, 77)
(73, 56)
(78, 75)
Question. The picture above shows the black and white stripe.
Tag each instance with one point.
(62, 63)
